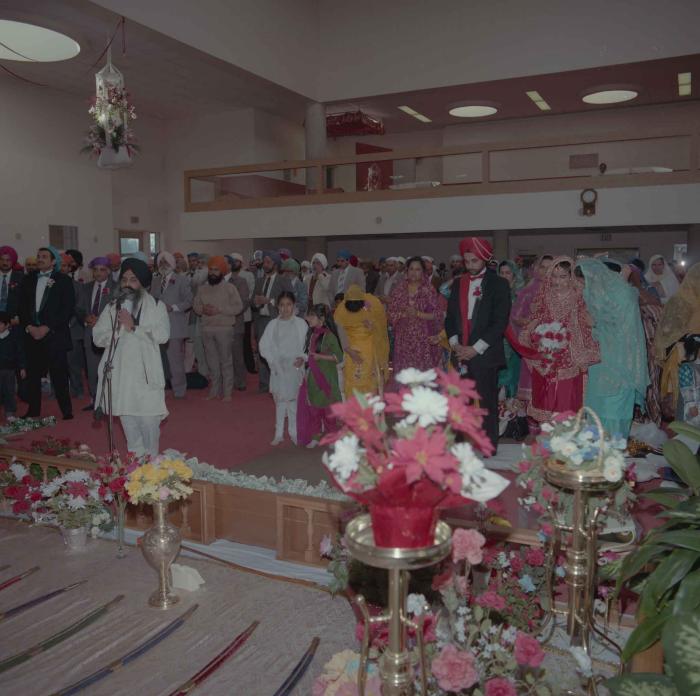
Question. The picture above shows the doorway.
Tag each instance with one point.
(131, 241)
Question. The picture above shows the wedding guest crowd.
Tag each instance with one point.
(538, 339)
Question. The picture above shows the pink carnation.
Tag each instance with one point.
(500, 686)
(454, 669)
(467, 545)
(528, 651)
(491, 600)
(524, 466)
(534, 557)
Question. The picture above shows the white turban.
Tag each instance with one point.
(455, 257)
(235, 255)
(428, 258)
(168, 258)
(401, 259)
(321, 259)
(392, 259)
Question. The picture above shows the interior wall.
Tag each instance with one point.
(44, 178)
(559, 243)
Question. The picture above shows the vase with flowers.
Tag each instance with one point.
(159, 482)
(412, 452)
(112, 477)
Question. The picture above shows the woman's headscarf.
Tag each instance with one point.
(617, 326)
(522, 305)
(681, 315)
(570, 310)
(519, 280)
(668, 279)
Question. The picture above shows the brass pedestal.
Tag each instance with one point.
(395, 664)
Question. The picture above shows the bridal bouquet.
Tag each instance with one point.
(550, 338)
(412, 452)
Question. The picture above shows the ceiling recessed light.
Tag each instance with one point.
(685, 84)
(32, 44)
(610, 96)
(475, 111)
(412, 112)
(537, 98)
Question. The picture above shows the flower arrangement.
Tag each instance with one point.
(19, 486)
(25, 425)
(162, 479)
(476, 640)
(404, 473)
(73, 500)
(112, 115)
(53, 446)
(550, 339)
(576, 447)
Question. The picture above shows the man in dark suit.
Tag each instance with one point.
(10, 282)
(264, 305)
(477, 317)
(46, 304)
(93, 298)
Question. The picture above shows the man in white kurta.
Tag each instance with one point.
(138, 382)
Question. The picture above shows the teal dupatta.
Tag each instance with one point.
(620, 379)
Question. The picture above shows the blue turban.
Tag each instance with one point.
(99, 261)
(344, 254)
(276, 258)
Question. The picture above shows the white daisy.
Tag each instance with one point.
(18, 470)
(411, 376)
(424, 406)
(415, 604)
(612, 468)
(345, 458)
(376, 403)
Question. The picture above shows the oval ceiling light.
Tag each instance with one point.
(610, 96)
(473, 111)
(33, 44)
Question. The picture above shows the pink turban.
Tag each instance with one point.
(478, 246)
(114, 258)
(10, 252)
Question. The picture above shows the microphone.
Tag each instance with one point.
(125, 293)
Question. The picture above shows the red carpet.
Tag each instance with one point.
(222, 434)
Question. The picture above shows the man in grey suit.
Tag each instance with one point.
(175, 292)
(264, 305)
(233, 276)
(345, 275)
(93, 298)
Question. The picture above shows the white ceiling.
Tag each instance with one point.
(166, 79)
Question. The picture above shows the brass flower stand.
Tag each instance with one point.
(395, 665)
(581, 552)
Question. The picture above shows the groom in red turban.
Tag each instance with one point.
(477, 317)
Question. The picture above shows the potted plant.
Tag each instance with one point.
(665, 568)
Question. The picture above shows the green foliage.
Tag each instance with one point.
(665, 569)
(681, 643)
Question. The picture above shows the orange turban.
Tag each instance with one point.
(218, 262)
(478, 246)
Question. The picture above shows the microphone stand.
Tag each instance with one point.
(107, 379)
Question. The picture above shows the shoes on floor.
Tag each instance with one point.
(31, 415)
(210, 397)
(68, 416)
(89, 407)
(312, 444)
(276, 441)
(294, 441)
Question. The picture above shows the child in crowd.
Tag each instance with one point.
(320, 388)
(282, 345)
(11, 361)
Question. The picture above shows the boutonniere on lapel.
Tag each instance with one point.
(477, 292)
(50, 282)
(14, 286)
(105, 291)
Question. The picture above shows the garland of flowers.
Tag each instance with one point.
(25, 425)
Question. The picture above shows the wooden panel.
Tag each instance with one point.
(246, 516)
(301, 524)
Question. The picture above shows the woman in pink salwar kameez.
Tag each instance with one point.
(414, 314)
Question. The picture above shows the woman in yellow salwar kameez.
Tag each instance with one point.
(361, 320)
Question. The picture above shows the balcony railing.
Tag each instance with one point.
(549, 164)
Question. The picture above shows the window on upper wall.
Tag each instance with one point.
(63, 236)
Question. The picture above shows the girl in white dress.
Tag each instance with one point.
(282, 345)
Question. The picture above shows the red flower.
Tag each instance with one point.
(468, 419)
(491, 600)
(516, 563)
(116, 485)
(35, 496)
(454, 385)
(360, 420)
(20, 507)
(77, 489)
(534, 557)
(528, 651)
(477, 292)
(105, 291)
(427, 454)
(4, 466)
(500, 686)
